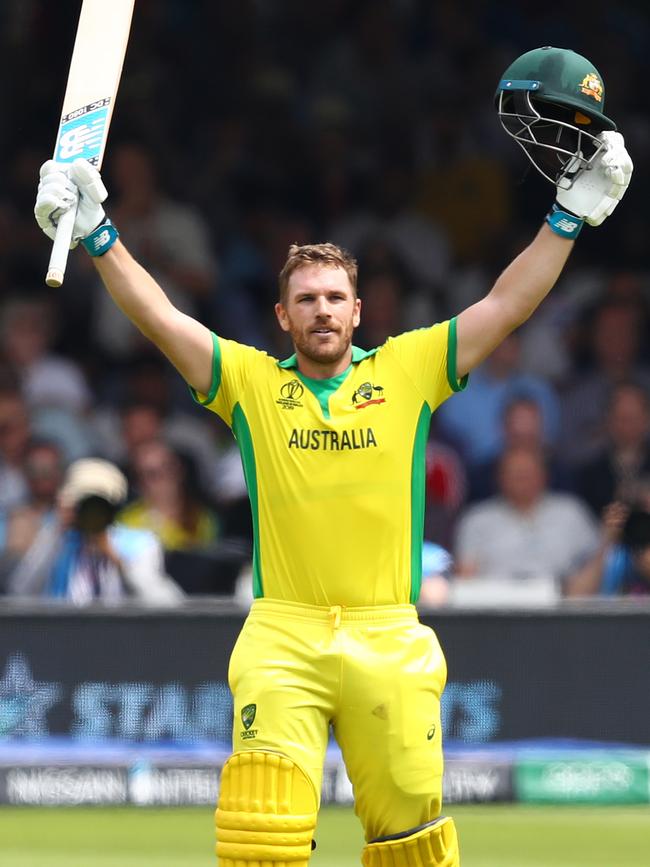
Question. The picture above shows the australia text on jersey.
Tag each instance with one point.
(331, 440)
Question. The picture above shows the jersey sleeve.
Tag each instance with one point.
(232, 366)
(428, 355)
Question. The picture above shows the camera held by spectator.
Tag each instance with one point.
(83, 555)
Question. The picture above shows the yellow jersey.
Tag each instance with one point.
(335, 468)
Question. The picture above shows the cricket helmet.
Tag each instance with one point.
(551, 101)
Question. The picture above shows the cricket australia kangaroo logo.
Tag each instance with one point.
(592, 86)
(248, 713)
(368, 394)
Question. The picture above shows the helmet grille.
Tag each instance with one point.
(549, 135)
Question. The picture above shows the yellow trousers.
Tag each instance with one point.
(374, 674)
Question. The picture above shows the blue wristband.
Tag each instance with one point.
(101, 239)
(563, 223)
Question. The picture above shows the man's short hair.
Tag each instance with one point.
(327, 254)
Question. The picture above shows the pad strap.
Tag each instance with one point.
(564, 223)
(101, 239)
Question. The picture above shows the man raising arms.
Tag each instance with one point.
(332, 442)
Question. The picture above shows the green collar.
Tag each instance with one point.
(357, 355)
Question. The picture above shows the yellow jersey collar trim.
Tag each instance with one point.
(357, 355)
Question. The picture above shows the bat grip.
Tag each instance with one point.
(60, 248)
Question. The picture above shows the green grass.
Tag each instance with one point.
(491, 836)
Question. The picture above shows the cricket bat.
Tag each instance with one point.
(93, 79)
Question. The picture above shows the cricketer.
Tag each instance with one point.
(332, 441)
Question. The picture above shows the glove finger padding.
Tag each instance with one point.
(56, 195)
(92, 193)
(63, 187)
(616, 175)
(596, 191)
(89, 181)
(50, 166)
(602, 211)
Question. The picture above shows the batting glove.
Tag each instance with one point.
(63, 186)
(594, 192)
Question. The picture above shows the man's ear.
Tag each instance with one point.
(356, 316)
(282, 317)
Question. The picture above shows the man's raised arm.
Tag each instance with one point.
(515, 295)
(186, 342)
(525, 283)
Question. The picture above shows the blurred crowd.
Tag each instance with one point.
(244, 127)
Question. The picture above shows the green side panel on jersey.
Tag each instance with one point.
(418, 478)
(452, 352)
(215, 382)
(245, 442)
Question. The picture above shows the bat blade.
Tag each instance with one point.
(93, 80)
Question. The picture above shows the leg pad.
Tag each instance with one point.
(432, 845)
(266, 813)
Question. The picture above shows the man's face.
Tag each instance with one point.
(14, 428)
(616, 337)
(44, 471)
(523, 424)
(522, 478)
(628, 419)
(320, 313)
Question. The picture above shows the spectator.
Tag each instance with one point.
(168, 500)
(83, 556)
(473, 419)
(525, 531)
(15, 434)
(384, 301)
(615, 345)
(445, 491)
(522, 425)
(43, 470)
(54, 387)
(150, 407)
(47, 379)
(437, 566)
(614, 471)
(621, 564)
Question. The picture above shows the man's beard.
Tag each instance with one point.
(323, 354)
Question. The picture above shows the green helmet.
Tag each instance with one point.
(551, 101)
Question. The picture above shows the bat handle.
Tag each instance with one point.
(60, 248)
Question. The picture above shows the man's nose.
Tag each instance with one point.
(322, 307)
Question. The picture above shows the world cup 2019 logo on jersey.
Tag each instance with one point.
(248, 713)
(368, 394)
(290, 394)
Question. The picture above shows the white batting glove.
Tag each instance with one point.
(594, 192)
(63, 186)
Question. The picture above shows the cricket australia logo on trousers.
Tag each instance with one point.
(248, 718)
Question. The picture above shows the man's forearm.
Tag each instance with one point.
(185, 342)
(134, 291)
(518, 291)
(587, 580)
(530, 277)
